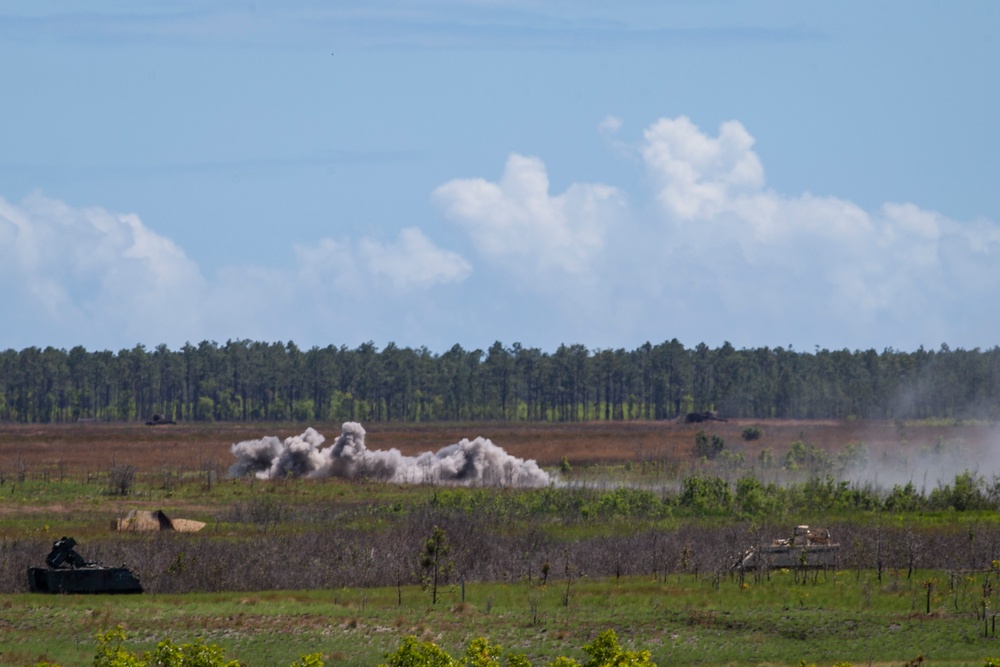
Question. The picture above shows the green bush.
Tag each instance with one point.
(481, 653)
(708, 447)
(853, 457)
(111, 652)
(706, 495)
(415, 653)
(564, 466)
(626, 502)
(603, 651)
(965, 493)
(806, 456)
(904, 499)
(197, 654)
(309, 660)
(753, 499)
(606, 652)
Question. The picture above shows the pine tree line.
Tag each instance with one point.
(246, 380)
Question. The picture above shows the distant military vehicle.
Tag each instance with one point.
(808, 549)
(706, 416)
(159, 420)
(67, 571)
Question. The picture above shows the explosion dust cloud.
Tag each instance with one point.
(470, 462)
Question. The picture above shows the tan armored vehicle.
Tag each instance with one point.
(809, 548)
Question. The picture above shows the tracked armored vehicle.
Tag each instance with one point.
(67, 571)
(808, 549)
(706, 416)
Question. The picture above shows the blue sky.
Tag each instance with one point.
(433, 173)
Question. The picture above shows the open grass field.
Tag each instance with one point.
(659, 579)
(163, 454)
(83, 447)
(680, 620)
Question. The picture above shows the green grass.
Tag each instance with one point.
(193, 486)
(84, 508)
(683, 621)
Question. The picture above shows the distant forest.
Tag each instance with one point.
(254, 381)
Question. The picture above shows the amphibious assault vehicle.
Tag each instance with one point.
(67, 571)
(809, 549)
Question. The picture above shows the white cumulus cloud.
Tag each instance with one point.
(410, 262)
(709, 253)
(699, 175)
(88, 267)
(717, 254)
(823, 259)
(516, 220)
(97, 278)
(413, 261)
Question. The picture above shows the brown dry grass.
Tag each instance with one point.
(73, 449)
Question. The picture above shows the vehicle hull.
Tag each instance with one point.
(814, 556)
(83, 580)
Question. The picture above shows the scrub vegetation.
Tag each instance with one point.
(641, 540)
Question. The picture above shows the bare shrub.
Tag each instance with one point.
(121, 479)
(263, 511)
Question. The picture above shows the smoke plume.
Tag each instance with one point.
(469, 463)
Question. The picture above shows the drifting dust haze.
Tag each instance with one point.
(468, 463)
(927, 465)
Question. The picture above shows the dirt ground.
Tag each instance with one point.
(85, 447)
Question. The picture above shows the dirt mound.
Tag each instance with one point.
(152, 520)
